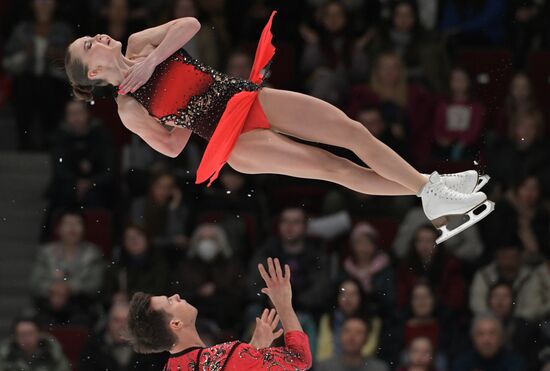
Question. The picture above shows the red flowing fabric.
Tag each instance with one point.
(235, 118)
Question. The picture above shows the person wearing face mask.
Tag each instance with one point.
(211, 277)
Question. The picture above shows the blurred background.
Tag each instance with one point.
(89, 214)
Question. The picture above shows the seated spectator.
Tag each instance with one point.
(488, 352)
(232, 195)
(522, 212)
(30, 350)
(368, 264)
(518, 334)
(115, 19)
(393, 135)
(524, 152)
(83, 160)
(329, 53)
(39, 87)
(401, 103)
(508, 267)
(520, 98)
(204, 45)
(109, 351)
(353, 337)
(67, 274)
(239, 64)
(211, 277)
(459, 120)
(466, 246)
(474, 23)
(426, 261)
(425, 60)
(163, 213)
(420, 356)
(350, 302)
(138, 268)
(306, 260)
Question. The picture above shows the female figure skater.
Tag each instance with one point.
(165, 95)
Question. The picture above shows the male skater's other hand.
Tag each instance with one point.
(265, 331)
(278, 284)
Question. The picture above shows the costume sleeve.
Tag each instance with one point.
(294, 356)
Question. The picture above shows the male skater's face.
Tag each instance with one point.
(176, 308)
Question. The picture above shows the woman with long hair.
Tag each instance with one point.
(165, 95)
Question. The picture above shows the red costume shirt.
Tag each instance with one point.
(237, 356)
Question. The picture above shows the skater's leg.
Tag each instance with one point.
(312, 119)
(265, 151)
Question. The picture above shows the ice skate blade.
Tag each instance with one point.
(473, 219)
(482, 180)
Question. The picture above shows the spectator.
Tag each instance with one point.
(420, 356)
(306, 260)
(522, 212)
(351, 302)
(520, 99)
(488, 352)
(442, 271)
(407, 105)
(67, 274)
(459, 120)
(393, 135)
(138, 268)
(508, 267)
(204, 46)
(329, 54)
(115, 20)
(163, 213)
(354, 336)
(39, 86)
(466, 246)
(518, 334)
(239, 64)
(474, 22)
(30, 350)
(371, 266)
(525, 18)
(211, 277)
(525, 152)
(108, 350)
(421, 53)
(83, 160)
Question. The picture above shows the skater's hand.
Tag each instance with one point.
(265, 333)
(278, 285)
(137, 76)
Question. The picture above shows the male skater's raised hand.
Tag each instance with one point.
(280, 292)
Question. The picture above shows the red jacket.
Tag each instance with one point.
(236, 356)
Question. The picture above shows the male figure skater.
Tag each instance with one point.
(161, 323)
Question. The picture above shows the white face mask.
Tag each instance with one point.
(207, 249)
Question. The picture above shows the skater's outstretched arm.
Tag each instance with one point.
(138, 121)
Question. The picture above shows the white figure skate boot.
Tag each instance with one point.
(439, 202)
(464, 182)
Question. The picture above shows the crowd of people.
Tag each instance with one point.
(372, 290)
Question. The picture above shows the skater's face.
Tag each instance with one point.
(403, 17)
(27, 336)
(501, 301)
(422, 301)
(487, 336)
(99, 53)
(349, 297)
(420, 353)
(181, 313)
(354, 335)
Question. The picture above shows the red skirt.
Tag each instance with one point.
(243, 113)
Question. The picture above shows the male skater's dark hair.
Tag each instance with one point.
(147, 329)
